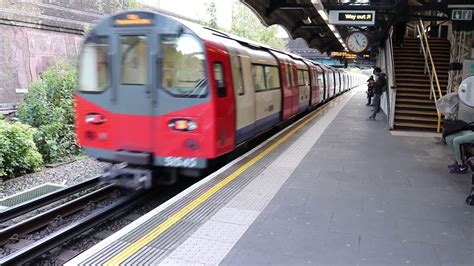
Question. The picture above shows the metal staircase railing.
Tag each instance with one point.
(431, 72)
(391, 87)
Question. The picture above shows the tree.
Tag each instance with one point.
(246, 24)
(49, 107)
(211, 11)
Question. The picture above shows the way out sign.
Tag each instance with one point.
(352, 17)
(458, 14)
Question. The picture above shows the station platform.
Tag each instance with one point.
(334, 189)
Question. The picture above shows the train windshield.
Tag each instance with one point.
(93, 65)
(183, 69)
(134, 60)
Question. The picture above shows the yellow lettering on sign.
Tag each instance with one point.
(350, 16)
(357, 17)
(133, 19)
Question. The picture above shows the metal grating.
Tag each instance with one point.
(29, 195)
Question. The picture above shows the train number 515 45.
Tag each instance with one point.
(180, 162)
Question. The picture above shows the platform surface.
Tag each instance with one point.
(343, 190)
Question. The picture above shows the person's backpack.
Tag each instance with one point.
(384, 86)
(454, 126)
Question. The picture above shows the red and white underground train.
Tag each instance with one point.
(159, 92)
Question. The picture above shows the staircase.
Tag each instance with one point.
(413, 108)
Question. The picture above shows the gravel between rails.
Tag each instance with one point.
(66, 174)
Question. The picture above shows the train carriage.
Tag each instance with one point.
(157, 92)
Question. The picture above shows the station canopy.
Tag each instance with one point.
(308, 19)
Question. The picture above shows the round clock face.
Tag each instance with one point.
(357, 42)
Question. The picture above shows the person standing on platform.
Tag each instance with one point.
(370, 89)
(379, 87)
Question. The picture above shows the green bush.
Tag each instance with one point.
(18, 152)
(49, 107)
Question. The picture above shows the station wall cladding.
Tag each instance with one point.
(33, 34)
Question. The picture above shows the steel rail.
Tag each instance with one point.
(65, 234)
(42, 220)
(15, 211)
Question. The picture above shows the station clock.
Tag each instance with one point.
(357, 42)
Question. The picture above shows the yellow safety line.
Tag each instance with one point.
(150, 236)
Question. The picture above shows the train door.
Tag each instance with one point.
(295, 88)
(336, 82)
(244, 91)
(321, 83)
(285, 69)
(303, 87)
(223, 97)
(313, 73)
(329, 83)
(133, 89)
(284, 62)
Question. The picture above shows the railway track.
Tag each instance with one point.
(52, 223)
(44, 200)
(36, 249)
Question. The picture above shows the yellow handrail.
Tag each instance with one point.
(434, 73)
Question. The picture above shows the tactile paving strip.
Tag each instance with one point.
(183, 229)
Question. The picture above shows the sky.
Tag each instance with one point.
(197, 9)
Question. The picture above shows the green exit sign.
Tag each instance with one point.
(458, 14)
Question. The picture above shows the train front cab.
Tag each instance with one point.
(149, 87)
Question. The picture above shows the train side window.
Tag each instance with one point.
(237, 73)
(292, 75)
(258, 77)
(300, 78)
(134, 60)
(320, 80)
(272, 77)
(306, 77)
(287, 70)
(219, 78)
(93, 65)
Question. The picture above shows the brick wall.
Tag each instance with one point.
(35, 33)
(25, 53)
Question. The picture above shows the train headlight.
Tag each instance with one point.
(183, 124)
(94, 118)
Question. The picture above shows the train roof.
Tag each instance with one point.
(200, 31)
